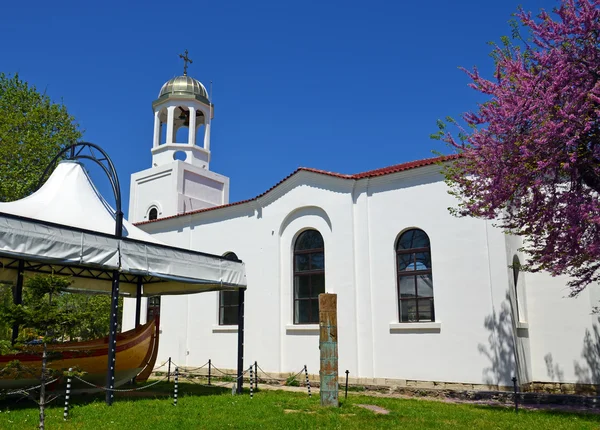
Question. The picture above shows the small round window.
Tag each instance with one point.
(153, 214)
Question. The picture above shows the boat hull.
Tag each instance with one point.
(132, 352)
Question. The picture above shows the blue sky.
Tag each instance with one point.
(344, 86)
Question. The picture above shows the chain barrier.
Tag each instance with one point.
(222, 384)
(279, 379)
(185, 369)
(162, 365)
(121, 390)
(224, 373)
(268, 376)
(25, 390)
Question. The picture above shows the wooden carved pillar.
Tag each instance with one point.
(328, 345)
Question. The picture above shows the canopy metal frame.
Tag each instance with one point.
(94, 153)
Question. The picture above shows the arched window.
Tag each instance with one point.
(415, 281)
(309, 276)
(153, 214)
(228, 301)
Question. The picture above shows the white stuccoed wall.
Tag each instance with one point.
(474, 335)
(557, 330)
(175, 188)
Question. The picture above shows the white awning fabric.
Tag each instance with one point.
(66, 227)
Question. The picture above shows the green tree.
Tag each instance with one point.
(44, 317)
(33, 129)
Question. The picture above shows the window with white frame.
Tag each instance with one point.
(414, 277)
(309, 276)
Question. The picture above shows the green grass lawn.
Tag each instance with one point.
(214, 408)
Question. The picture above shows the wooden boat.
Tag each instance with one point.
(151, 357)
(134, 350)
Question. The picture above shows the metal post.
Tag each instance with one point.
(176, 385)
(307, 380)
(114, 302)
(346, 396)
(514, 379)
(169, 371)
(240, 369)
(256, 375)
(67, 395)
(251, 382)
(18, 297)
(209, 366)
(138, 301)
(112, 339)
(111, 172)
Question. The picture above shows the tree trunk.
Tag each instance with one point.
(43, 388)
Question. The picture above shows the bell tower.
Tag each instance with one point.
(179, 180)
(182, 103)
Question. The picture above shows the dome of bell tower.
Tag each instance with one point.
(184, 86)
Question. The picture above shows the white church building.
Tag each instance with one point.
(425, 299)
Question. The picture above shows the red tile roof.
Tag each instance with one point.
(363, 175)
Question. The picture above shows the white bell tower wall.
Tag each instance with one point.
(175, 188)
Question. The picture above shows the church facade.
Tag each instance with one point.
(424, 298)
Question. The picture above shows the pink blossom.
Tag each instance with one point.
(531, 154)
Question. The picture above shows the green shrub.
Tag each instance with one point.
(291, 381)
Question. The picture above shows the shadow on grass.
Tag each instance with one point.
(551, 410)
(163, 390)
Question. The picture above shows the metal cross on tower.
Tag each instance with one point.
(186, 60)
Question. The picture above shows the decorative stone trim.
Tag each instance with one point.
(421, 327)
(310, 329)
(225, 329)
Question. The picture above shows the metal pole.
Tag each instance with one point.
(176, 385)
(169, 371)
(514, 379)
(307, 381)
(112, 339)
(67, 395)
(346, 396)
(256, 375)
(114, 303)
(240, 369)
(111, 172)
(18, 297)
(138, 301)
(209, 365)
(251, 382)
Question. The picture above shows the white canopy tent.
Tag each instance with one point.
(66, 227)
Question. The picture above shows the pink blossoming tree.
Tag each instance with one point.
(530, 156)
